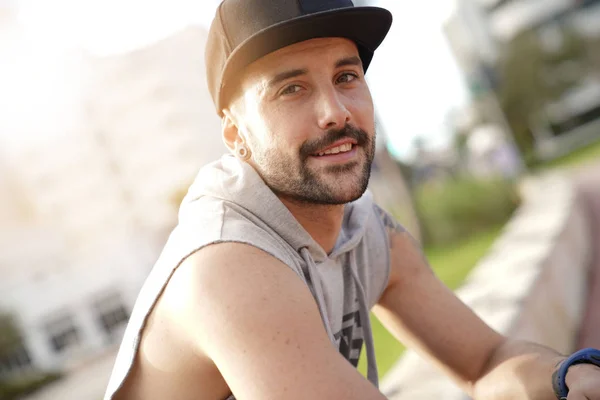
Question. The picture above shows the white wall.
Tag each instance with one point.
(157, 119)
(102, 190)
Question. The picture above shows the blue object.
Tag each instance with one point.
(585, 356)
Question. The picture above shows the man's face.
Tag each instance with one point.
(307, 116)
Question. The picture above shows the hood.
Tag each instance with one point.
(237, 182)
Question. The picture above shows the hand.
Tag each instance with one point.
(583, 381)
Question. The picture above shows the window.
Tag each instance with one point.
(111, 313)
(62, 334)
(112, 319)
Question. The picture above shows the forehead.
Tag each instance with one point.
(310, 54)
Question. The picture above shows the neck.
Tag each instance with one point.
(322, 222)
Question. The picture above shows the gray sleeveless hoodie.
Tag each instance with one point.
(229, 202)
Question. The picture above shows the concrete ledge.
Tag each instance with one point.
(531, 285)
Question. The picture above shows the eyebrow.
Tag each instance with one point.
(283, 76)
(294, 73)
(349, 61)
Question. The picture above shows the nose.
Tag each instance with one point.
(331, 110)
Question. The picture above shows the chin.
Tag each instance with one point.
(351, 196)
(352, 187)
(337, 194)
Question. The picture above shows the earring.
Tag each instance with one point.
(242, 152)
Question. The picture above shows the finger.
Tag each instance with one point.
(575, 395)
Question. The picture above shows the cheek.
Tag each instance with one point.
(284, 142)
(269, 141)
(362, 110)
(258, 130)
(286, 129)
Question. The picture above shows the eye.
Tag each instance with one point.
(291, 90)
(347, 77)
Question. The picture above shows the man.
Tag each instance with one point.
(264, 289)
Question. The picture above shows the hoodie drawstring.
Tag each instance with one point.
(372, 373)
(317, 291)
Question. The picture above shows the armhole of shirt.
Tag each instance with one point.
(388, 261)
(182, 244)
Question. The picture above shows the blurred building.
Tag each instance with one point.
(508, 18)
(390, 188)
(433, 166)
(477, 33)
(100, 191)
(15, 209)
(488, 24)
(150, 112)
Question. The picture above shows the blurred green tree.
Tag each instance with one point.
(530, 78)
(10, 336)
(20, 385)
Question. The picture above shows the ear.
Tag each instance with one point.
(230, 131)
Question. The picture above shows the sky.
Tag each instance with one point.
(413, 77)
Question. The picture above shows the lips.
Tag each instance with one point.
(341, 146)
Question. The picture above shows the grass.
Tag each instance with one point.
(19, 388)
(451, 264)
(578, 157)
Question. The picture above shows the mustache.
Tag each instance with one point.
(347, 132)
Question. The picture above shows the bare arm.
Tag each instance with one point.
(261, 327)
(423, 313)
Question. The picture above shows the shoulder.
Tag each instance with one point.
(392, 227)
(230, 281)
(382, 232)
(222, 268)
(207, 220)
(259, 324)
(399, 238)
(406, 255)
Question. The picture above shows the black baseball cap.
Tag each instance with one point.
(245, 30)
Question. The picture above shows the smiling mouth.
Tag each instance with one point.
(343, 148)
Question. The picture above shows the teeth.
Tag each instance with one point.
(339, 149)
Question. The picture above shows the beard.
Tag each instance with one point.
(292, 177)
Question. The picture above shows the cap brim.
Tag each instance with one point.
(366, 26)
